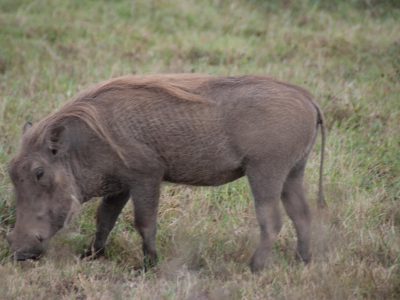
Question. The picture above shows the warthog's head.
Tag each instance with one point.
(46, 193)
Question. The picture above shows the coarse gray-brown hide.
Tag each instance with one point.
(122, 138)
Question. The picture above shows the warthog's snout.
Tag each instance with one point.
(28, 247)
(21, 256)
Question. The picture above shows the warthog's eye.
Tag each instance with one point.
(39, 173)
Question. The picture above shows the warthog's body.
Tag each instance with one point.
(124, 137)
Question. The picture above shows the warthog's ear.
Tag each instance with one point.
(27, 125)
(58, 140)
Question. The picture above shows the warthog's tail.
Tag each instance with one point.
(321, 123)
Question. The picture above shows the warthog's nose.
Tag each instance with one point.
(26, 246)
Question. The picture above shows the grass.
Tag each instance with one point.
(346, 52)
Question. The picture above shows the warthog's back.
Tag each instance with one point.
(207, 138)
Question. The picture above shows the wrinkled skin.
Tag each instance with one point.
(123, 138)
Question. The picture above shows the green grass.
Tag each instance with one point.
(347, 53)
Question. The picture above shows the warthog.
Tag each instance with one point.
(123, 137)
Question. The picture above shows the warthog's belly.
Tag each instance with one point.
(205, 178)
(207, 160)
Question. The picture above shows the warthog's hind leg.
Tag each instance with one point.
(107, 214)
(297, 208)
(266, 192)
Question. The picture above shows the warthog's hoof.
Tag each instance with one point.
(257, 264)
(92, 254)
(150, 261)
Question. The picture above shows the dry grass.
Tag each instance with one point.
(346, 53)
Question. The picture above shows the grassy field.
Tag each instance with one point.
(347, 53)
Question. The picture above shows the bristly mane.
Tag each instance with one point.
(179, 86)
(83, 107)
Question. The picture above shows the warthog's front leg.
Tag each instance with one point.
(107, 214)
(145, 195)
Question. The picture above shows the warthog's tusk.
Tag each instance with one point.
(74, 208)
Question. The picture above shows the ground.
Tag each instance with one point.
(347, 53)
